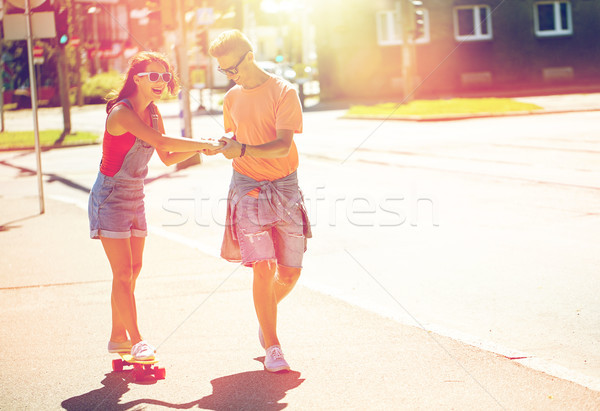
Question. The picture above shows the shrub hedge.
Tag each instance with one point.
(96, 88)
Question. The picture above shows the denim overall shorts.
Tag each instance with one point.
(116, 204)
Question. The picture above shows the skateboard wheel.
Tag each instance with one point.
(117, 365)
(160, 373)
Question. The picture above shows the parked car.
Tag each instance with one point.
(283, 70)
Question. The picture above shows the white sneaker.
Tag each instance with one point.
(261, 337)
(274, 360)
(143, 351)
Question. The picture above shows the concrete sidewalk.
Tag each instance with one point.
(198, 311)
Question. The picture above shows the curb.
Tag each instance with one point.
(465, 116)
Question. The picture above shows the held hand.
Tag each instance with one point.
(208, 152)
(214, 146)
(232, 148)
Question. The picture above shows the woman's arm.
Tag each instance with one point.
(122, 119)
(170, 158)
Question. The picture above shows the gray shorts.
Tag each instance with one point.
(116, 208)
(282, 241)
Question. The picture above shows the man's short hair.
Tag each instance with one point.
(230, 41)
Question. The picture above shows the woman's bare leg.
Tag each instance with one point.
(120, 255)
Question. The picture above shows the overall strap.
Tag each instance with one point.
(154, 116)
(127, 103)
(153, 112)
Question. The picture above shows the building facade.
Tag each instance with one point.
(459, 45)
(111, 31)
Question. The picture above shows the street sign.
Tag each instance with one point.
(38, 55)
(204, 16)
(15, 26)
(21, 3)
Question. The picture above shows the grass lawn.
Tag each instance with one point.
(26, 139)
(435, 108)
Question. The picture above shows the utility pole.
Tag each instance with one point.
(63, 86)
(77, 32)
(63, 30)
(238, 20)
(1, 91)
(184, 76)
(405, 14)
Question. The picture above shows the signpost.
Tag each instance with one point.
(34, 105)
(13, 31)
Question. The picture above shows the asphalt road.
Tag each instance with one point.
(482, 230)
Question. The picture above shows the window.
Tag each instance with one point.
(389, 30)
(552, 18)
(389, 27)
(472, 23)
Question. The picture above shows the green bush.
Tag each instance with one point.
(96, 88)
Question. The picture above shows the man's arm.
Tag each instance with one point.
(280, 147)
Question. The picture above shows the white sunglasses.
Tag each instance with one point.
(153, 76)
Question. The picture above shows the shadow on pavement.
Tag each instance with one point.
(258, 390)
(11, 224)
(25, 172)
(254, 390)
(105, 398)
(28, 172)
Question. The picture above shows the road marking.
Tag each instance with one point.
(522, 358)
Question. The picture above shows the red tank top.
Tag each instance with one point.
(114, 150)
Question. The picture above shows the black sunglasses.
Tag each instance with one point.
(233, 70)
(153, 76)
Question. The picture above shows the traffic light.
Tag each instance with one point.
(419, 23)
(419, 27)
(202, 40)
(62, 26)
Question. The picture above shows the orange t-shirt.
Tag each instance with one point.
(254, 116)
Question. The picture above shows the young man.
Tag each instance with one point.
(267, 224)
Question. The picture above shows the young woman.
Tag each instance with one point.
(134, 129)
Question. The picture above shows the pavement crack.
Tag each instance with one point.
(23, 287)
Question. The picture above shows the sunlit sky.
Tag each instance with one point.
(276, 6)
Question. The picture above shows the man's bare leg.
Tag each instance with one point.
(285, 280)
(265, 303)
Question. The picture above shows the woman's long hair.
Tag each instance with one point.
(138, 64)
